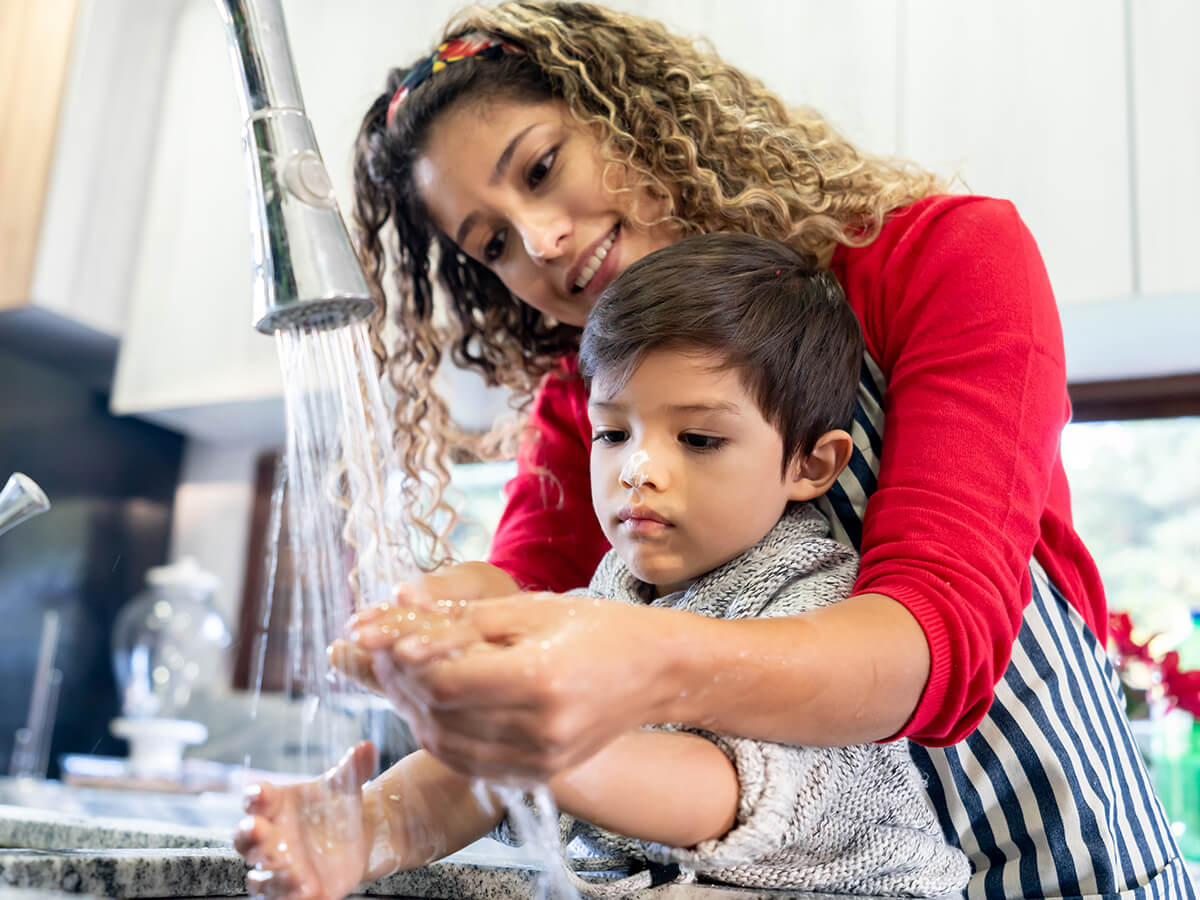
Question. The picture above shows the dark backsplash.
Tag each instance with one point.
(111, 483)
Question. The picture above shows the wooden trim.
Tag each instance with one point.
(1136, 398)
(251, 632)
(36, 39)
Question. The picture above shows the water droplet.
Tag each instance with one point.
(571, 611)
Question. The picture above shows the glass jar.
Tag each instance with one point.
(170, 644)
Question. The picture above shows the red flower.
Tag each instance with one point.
(1181, 688)
(1120, 634)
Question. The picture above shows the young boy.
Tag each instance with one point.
(704, 360)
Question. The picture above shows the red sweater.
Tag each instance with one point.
(957, 310)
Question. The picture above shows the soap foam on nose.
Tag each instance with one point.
(633, 473)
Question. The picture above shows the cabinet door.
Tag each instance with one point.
(1166, 142)
(35, 46)
(1027, 101)
(189, 343)
(106, 135)
(81, 87)
(839, 58)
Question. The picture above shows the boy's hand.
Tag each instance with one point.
(309, 841)
(424, 612)
(413, 629)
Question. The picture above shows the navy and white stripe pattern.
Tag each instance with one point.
(1049, 796)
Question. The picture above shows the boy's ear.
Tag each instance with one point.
(812, 475)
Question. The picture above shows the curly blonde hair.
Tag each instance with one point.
(724, 152)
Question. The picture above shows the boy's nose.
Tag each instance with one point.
(633, 473)
(640, 470)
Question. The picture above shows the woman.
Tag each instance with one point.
(538, 153)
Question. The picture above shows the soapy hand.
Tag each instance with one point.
(528, 684)
(309, 841)
(421, 612)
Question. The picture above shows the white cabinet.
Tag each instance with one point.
(1027, 101)
(1166, 145)
(839, 58)
(81, 102)
(188, 344)
(35, 44)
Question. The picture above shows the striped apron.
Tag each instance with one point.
(1049, 796)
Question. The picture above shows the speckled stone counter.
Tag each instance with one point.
(42, 829)
(108, 857)
(127, 873)
(216, 872)
(49, 855)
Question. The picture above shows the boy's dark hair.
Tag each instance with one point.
(756, 303)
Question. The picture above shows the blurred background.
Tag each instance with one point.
(134, 390)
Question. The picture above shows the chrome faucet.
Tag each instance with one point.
(306, 273)
(21, 499)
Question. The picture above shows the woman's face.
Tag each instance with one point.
(520, 188)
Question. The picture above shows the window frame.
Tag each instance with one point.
(1163, 397)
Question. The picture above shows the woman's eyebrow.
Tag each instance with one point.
(498, 175)
(505, 159)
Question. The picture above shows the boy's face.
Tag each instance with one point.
(686, 472)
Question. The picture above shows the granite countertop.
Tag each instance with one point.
(50, 854)
(112, 857)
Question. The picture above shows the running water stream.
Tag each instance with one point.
(350, 529)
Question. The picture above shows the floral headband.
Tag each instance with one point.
(471, 44)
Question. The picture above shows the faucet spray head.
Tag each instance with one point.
(306, 273)
(21, 499)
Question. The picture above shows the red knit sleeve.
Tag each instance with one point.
(957, 309)
(548, 537)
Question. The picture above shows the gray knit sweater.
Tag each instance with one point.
(830, 819)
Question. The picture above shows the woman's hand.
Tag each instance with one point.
(528, 684)
(534, 684)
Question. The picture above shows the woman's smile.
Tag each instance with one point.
(584, 272)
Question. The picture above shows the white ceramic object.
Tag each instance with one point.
(156, 746)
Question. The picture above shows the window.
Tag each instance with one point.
(1135, 487)
(1132, 455)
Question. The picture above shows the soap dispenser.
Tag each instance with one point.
(170, 650)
